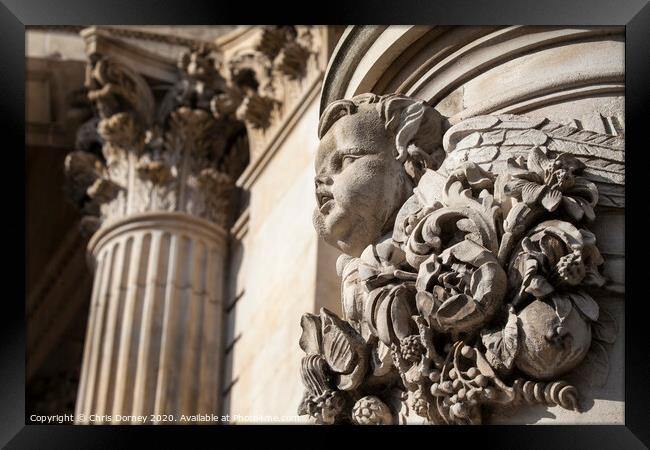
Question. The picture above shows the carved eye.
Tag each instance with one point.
(347, 160)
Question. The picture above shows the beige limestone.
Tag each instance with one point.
(156, 308)
(282, 268)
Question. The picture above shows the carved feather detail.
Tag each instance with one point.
(490, 140)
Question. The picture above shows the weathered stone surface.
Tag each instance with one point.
(268, 85)
(485, 290)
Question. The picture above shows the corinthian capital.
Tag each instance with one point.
(139, 154)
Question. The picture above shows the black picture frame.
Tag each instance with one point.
(16, 14)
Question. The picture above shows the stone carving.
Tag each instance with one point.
(469, 277)
(179, 153)
(138, 156)
(271, 76)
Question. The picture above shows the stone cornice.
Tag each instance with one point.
(102, 42)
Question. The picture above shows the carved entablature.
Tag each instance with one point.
(470, 278)
(175, 151)
(273, 73)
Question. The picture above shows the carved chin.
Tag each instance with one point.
(338, 230)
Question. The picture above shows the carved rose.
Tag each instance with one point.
(461, 289)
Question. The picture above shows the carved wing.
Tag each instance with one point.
(490, 140)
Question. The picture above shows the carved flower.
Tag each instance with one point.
(554, 255)
(460, 289)
(382, 264)
(551, 182)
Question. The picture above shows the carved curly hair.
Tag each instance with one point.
(416, 127)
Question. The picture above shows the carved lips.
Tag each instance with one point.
(325, 200)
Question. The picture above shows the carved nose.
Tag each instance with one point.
(322, 180)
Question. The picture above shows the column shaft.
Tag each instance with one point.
(153, 339)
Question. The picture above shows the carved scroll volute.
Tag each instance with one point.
(125, 106)
(251, 73)
(264, 74)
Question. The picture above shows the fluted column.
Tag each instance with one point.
(154, 328)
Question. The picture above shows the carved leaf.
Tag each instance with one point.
(381, 359)
(483, 366)
(563, 306)
(371, 308)
(455, 310)
(310, 339)
(606, 328)
(594, 369)
(552, 199)
(573, 208)
(537, 160)
(383, 320)
(586, 305)
(552, 248)
(539, 287)
(590, 214)
(337, 348)
(425, 304)
(502, 344)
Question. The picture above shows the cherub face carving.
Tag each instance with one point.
(360, 185)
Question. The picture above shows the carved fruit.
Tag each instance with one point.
(329, 406)
(411, 348)
(419, 404)
(570, 269)
(371, 410)
(550, 347)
